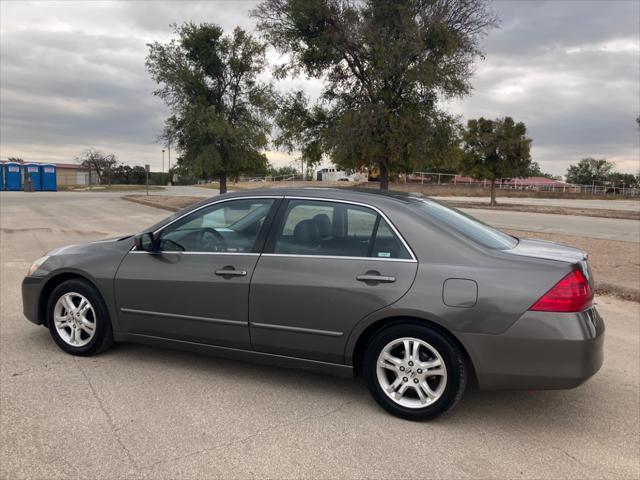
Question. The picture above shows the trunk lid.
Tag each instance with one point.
(553, 251)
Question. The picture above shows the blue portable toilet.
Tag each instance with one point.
(48, 177)
(12, 176)
(32, 171)
(1, 176)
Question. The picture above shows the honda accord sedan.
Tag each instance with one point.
(416, 297)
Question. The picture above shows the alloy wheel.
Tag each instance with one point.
(74, 319)
(411, 372)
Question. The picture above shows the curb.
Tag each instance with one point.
(150, 203)
(625, 293)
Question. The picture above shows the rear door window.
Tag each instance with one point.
(312, 227)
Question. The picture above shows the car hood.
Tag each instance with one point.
(548, 250)
(124, 242)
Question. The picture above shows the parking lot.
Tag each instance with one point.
(141, 412)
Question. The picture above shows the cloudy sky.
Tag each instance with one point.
(72, 76)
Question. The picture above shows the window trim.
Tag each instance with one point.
(270, 243)
(266, 227)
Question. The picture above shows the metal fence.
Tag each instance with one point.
(436, 178)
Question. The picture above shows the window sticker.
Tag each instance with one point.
(384, 254)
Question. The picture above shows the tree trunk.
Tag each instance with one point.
(223, 183)
(493, 192)
(384, 176)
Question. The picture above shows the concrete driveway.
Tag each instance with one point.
(150, 413)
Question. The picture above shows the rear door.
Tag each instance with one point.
(195, 287)
(326, 265)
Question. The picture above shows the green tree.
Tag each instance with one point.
(220, 110)
(301, 129)
(496, 149)
(619, 179)
(536, 171)
(590, 171)
(385, 66)
(285, 171)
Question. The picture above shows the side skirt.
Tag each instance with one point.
(335, 369)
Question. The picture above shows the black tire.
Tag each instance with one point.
(103, 337)
(453, 358)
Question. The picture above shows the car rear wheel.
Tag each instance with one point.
(413, 371)
(78, 318)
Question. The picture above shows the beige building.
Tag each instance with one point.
(73, 174)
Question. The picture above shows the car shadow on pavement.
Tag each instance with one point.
(510, 409)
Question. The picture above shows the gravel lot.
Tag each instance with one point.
(139, 412)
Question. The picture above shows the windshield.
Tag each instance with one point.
(467, 226)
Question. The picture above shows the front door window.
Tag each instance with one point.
(222, 227)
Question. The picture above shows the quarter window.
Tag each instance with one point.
(223, 227)
(336, 229)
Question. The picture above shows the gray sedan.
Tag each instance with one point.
(416, 297)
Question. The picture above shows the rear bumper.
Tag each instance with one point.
(31, 287)
(542, 350)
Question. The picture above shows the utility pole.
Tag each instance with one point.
(146, 169)
(163, 160)
(169, 158)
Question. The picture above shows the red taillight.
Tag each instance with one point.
(571, 294)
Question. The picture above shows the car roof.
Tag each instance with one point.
(364, 195)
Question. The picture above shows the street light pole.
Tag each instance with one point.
(169, 159)
(163, 160)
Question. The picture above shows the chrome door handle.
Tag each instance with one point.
(231, 273)
(375, 278)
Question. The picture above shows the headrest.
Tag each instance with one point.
(324, 224)
(306, 233)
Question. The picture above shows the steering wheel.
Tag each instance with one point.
(212, 240)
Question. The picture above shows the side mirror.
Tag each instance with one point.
(144, 242)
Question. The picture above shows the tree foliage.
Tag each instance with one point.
(284, 171)
(536, 171)
(127, 175)
(590, 171)
(385, 65)
(496, 149)
(301, 128)
(220, 111)
(97, 161)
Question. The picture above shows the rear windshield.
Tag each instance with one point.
(467, 226)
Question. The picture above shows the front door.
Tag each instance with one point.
(195, 286)
(326, 265)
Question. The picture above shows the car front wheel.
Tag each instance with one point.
(78, 319)
(414, 371)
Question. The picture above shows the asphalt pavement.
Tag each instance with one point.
(141, 412)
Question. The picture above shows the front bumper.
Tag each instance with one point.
(31, 287)
(542, 350)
